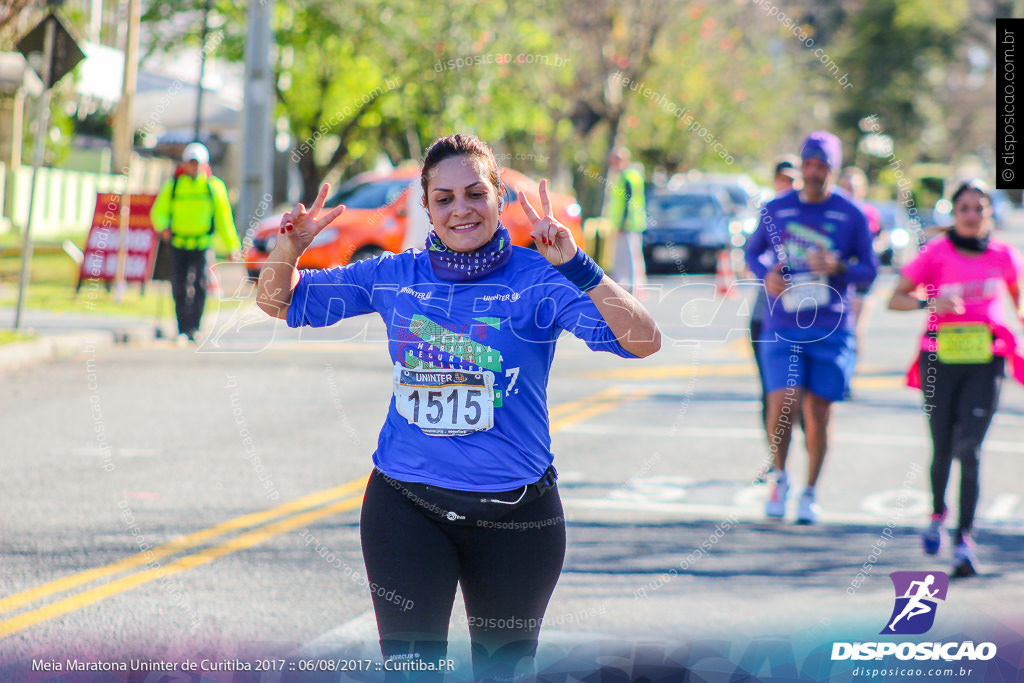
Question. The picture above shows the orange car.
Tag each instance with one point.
(375, 220)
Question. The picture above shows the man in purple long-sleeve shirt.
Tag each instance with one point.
(811, 248)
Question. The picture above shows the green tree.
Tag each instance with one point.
(894, 50)
(714, 94)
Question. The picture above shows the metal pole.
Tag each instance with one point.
(37, 161)
(258, 133)
(126, 136)
(202, 69)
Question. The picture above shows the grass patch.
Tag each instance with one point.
(12, 337)
(56, 269)
(53, 277)
(93, 298)
(13, 239)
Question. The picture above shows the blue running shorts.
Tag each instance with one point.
(819, 360)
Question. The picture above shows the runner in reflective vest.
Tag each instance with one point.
(627, 207)
(192, 211)
(628, 214)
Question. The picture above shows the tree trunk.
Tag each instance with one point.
(311, 177)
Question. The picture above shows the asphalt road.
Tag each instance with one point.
(232, 463)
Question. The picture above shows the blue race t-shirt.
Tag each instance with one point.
(505, 323)
(788, 229)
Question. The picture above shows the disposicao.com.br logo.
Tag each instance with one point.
(917, 598)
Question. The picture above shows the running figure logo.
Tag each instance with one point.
(916, 596)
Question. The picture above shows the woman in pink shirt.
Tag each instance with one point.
(965, 276)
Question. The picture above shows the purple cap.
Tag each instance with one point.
(823, 145)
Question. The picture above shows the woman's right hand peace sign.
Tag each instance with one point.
(554, 241)
(299, 226)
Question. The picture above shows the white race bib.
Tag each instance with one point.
(445, 402)
(807, 290)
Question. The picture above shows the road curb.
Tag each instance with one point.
(19, 355)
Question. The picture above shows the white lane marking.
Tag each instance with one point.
(1003, 419)
(887, 503)
(726, 433)
(362, 632)
(119, 452)
(1002, 507)
(718, 511)
(652, 488)
(359, 637)
(667, 432)
(570, 476)
(752, 496)
(908, 519)
(362, 629)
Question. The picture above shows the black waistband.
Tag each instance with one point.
(469, 507)
(546, 481)
(934, 334)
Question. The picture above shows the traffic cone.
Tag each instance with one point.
(724, 276)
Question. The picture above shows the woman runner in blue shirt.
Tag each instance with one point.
(463, 489)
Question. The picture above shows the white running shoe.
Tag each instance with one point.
(809, 509)
(965, 559)
(775, 508)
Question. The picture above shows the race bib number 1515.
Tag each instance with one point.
(445, 402)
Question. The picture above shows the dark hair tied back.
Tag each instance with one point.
(973, 185)
(460, 145)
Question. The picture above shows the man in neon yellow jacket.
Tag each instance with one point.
(192, 212)
(628, 214)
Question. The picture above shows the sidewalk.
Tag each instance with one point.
(59, 335)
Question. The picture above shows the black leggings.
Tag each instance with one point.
(507, 570)
(960, 401)
(188, 287)
(755, 335)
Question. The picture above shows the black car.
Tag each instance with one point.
(685, 232)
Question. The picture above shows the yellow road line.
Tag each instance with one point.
(739, 346)
(701, 369)
(294, 518)
(240, 542)
(612, 393)
(675, 371)
(879, 383)
(176, 546)
(595, 408)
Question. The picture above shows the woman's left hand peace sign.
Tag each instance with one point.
(554, 241)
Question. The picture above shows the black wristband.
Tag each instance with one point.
(922, 303)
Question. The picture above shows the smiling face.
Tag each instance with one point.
(972, 214)
(462, 202)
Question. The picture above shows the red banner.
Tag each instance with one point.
(100, 260)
